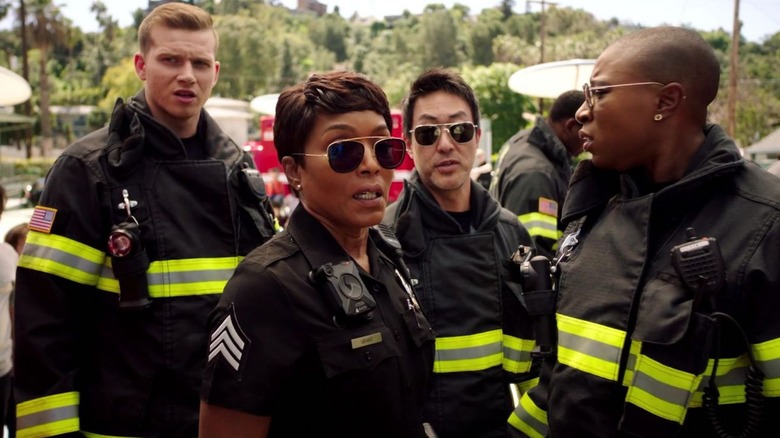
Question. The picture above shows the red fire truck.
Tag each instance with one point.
(264, 153)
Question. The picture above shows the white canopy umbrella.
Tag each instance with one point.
(265, 104)
(13, 88)
(550, 79)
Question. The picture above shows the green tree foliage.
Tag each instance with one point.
(330, 33)
(265, 47)
(120, 81)
(488, 27)
(440, 33)
(504, 109)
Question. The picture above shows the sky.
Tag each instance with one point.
(760, 18)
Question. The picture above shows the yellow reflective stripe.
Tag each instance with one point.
(517, 354)
(768, 356)
(62, 257)
(178, 278)
(661, 390)
(633, 354)
(97, 435)
(589, 347)
(48, 416)
(523, 387)
(529, 419)
(468, 353)
(732, 373)
(542, 225)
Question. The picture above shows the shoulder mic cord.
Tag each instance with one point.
(754, 385)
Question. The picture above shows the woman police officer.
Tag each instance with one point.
(318, 333)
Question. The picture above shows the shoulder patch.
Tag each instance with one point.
(548, 207)
(42, 219)
(228, 341)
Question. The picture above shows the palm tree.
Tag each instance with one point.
(47, 28)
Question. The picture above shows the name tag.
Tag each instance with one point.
(365, 341)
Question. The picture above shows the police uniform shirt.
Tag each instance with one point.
(276, 351)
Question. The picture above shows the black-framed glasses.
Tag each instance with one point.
(591, 91)
(426, 135)
(347, 154)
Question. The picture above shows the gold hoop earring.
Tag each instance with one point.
(658, 117)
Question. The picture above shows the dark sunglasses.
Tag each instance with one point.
(346, 155)
(426, 135)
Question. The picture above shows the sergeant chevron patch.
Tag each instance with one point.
(228, 341)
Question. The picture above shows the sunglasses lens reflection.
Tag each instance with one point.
(427, 135)
(390, 152)
(346, 156)
(462, 132)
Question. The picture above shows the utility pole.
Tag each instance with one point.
(731, 109)
(542, 35)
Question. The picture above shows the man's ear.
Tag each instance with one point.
(409, 147)
(572, 126)
(140, 66)
(670, 98)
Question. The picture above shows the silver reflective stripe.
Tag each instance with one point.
(524, 418)
(469, 352)
(540, 224)
(46, 417)
(589, 347)
(734, 377)
(516, 355)
(65, 258)
(771, 368)
(182, 277)
(661, 390)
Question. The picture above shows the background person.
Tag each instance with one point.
(457, 242)
(109, 338)
(8, 261)
(288, 357)
(16, 236)
(533, 171)
(482, 169)
(648, 318)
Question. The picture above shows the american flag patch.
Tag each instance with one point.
(42, 219)
(548, 207)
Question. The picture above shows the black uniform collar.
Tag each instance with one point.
(167, 145)
(317, 244)
(543, 137)
(591, 187)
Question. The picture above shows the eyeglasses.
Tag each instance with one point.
(346, 155)
(591, 91)
(426, 135)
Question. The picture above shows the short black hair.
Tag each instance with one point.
(337, 92)
(438, 79)
(566, 105)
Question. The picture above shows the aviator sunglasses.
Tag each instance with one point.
(426, 135)
(346, 155)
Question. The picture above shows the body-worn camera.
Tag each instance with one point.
(345, 289)
(129, 262)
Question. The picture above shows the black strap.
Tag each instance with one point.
(254, 201)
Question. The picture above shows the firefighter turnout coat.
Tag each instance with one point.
(531, 179)
(82, 363)
(637, 346)
(467, 290)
